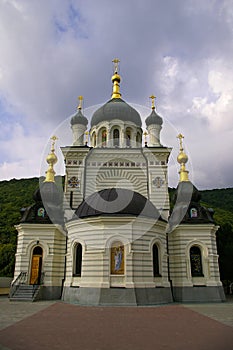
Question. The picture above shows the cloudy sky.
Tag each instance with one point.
(180, 50)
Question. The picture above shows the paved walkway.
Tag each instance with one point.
(57, 325)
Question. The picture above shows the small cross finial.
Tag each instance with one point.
(180, 137)
(153, 101)
(54, 139)
(80, 98)
(116, 66)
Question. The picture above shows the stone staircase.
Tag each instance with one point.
(22, 291)
(25, 292)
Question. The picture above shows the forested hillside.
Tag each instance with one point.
(16, 194)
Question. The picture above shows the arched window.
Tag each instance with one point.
(156, 261)
(104, 138)
(138, 139)
(78, 260)
(196, 261)
(117, 259)
(94, 139)
(128, 137)
(116, 136)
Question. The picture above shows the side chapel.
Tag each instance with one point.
(112, 238)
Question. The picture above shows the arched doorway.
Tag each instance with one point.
(36, 265)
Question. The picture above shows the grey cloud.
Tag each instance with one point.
(53, 52)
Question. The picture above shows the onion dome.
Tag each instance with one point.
(186, 192)
(187, 208)
(116, 108)
(47, 208)
(48, 192)
(116, 201)
(153, 118)
(78, 117)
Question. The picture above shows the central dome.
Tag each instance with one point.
(116, 108)
(116, 201)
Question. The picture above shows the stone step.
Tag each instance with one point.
(25, 293)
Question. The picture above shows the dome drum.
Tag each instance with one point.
(78, 125)
(116, 133)
(154, 125)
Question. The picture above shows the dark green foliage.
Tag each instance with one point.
(7, 259)
(14, 195)
(220, 198)
(224, 236)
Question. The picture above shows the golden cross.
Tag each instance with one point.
(53, 138)
(80, 98)
(153, 101)
(116, 61)
(180, 137)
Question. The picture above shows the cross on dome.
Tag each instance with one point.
(80, 99)
(152, 97)
(116, 62)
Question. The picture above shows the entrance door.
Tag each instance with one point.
(36, 265)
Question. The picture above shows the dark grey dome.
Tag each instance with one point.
(153, 118)
(116, 201)
(186, 192)
(50, 193)
(47, 192)
(116, 108)
(47, 208)
(78, 118)
(187, 207)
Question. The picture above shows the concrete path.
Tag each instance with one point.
(12, 312)
(56, 325)
(222, 312)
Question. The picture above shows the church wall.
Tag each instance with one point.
(52, 241)
(157, 159)
(108, 168)
(75, 158)
(97, 236)
(185, 285)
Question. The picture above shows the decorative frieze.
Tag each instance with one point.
(73, 162)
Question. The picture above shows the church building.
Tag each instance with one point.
(113, 238)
